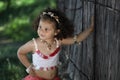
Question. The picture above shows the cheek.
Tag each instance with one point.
(51, 34)
(38, 32)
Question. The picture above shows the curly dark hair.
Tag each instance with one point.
(65, 25)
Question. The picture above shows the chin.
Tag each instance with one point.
(42, 38)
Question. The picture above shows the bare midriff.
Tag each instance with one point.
(48, 75)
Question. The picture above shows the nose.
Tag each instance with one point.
(40, 30)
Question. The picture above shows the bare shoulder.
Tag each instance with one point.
(27, 47)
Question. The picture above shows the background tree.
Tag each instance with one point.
(97, 58)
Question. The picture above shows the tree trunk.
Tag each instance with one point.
(97, 57)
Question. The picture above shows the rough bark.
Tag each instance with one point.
(97, 58)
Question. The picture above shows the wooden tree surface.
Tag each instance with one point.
(107, 45)
(97, 57)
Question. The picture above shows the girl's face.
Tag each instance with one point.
(46, 30)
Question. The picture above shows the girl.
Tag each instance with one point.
(54, 30)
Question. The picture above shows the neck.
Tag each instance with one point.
(50, 41)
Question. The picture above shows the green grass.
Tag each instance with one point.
(10, 66)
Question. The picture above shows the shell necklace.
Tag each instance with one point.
(49, 45)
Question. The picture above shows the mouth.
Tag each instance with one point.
(42, 36)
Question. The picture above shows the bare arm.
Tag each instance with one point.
(22, 53)
(81, 36)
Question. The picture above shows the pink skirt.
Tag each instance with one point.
(29, 77)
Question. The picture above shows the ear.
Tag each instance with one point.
(57, 31)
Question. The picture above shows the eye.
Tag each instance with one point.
(46, 29)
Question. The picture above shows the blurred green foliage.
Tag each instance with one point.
(17, 17)
(11, 68)
(3, 6)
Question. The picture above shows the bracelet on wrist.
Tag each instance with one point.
(28, 69)
(75, 39)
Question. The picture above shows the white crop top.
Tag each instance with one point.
(45, 62)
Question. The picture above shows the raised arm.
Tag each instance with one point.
(81, 36)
